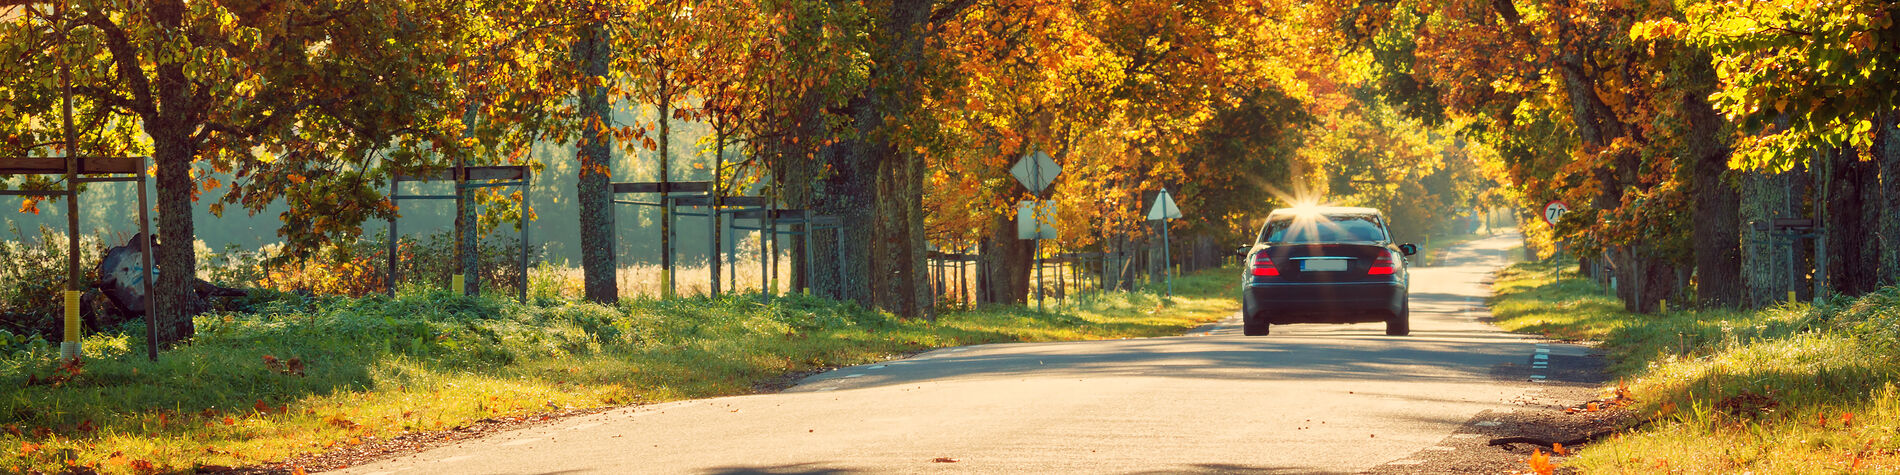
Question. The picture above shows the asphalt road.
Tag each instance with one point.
(1307, 399)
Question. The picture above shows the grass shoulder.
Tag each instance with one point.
(299, 376)
(1796, 388)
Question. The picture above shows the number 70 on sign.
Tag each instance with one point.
(1555, 210)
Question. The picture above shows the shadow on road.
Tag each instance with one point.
(1349, 353)
(810, 468)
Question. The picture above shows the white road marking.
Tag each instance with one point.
(1490, 424)
(1537, 377)
(853, 375)
(877, 367)
(1543, 350)
(1541, 356)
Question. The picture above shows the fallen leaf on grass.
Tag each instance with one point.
(28, 448)
(944, 460)
(1558, 448)
(142, 465)
(297, 471)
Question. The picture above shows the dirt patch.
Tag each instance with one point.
(1574, 406)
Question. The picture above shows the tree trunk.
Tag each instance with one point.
(793, 174)
(668, 287)
(1850, 268)
(176, 256)
(593, 192)
(174, 152)
(1006, 263)
(1769, 259)
(466, 249)
(883, 259)
(1717, 213)
(1887, 148)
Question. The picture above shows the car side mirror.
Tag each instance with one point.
(1243, 249)
(1408, 249)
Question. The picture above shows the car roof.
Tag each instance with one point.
(1333, 210)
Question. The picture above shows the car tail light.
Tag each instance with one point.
(1383, 265)
(1263, 266)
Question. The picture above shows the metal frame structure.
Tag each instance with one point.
(666, 190)
(772, 221)
(697, 194)
(493, 177)
(73, 168)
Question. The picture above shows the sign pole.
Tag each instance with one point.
(1167, 262)
(1038, 244)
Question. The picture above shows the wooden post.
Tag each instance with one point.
(145, 272)
(394, 189)
(527, 211)
(69, 346)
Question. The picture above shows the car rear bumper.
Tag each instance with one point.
(1323, 302)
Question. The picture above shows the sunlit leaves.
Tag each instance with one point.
(1798, 75)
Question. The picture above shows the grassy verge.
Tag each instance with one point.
(1793, 389)
(300, 376)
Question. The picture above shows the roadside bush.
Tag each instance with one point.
(358, 268)
(33, 277)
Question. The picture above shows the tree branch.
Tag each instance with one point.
(125, 58)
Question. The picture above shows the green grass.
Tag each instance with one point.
(1796, 388)
(378, 367)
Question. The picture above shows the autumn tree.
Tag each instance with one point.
(294, 98)
(1814, 79)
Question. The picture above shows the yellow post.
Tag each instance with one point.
(1791, 296)
(69, 346)
(458, 283)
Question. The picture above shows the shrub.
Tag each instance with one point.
(33, 275)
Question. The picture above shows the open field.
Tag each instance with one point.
(298, 376)
(1797, 388)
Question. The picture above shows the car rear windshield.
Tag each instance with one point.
(1303, 229)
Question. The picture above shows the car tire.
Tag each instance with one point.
(1400, 324)
(1251, 326)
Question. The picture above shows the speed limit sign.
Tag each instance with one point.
(1555, 210)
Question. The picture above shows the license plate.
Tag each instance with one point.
(1323, 265)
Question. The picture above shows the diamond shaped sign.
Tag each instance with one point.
(1036, 171)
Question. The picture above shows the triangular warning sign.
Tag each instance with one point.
(1164, 207)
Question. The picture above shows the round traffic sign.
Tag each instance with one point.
(1554, 210)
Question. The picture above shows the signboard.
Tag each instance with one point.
(1554, 211)
(1035, 171)
(1033, 222)
(1164, 207)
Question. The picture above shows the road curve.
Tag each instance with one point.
(1307, 399)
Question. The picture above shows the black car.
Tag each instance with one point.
(1326, 265)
